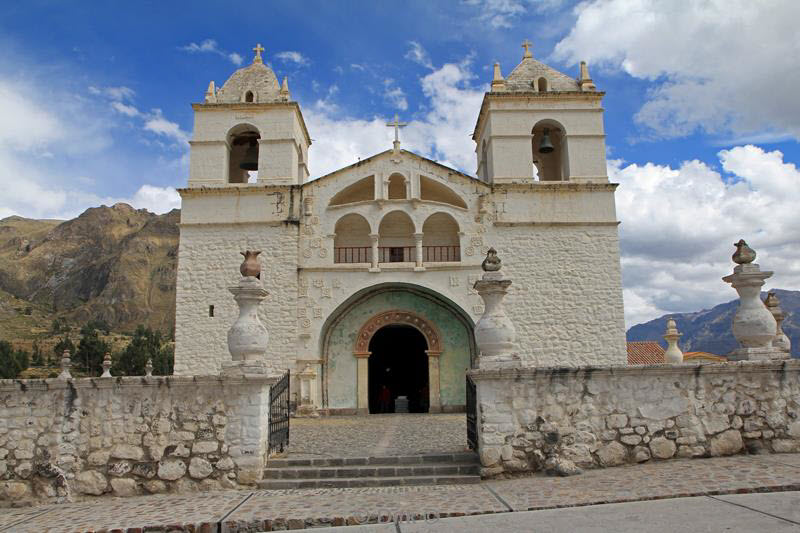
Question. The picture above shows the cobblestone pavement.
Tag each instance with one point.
(377, 435)
(241, 511)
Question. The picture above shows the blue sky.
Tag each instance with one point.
(701, 118)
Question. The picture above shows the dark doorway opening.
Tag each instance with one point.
(398, 366)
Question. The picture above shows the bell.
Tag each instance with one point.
(250, 159)
(545, 146)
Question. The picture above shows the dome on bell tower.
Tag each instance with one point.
(255, 83)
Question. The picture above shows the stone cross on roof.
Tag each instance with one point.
(526, 44)
(396, 124)
(258, 49)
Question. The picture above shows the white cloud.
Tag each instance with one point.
(499, 13)
(125, 109)
(118, 94)
(356, 66)
(156, 199)
(394, 95)
(723, 67)
(418, 55)
(211, 46)
(442, 132)
(24, 124)
(159, 125)
(291, 56)
(679, 225)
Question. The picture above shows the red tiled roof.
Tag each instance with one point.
(703, 356)
(645, 353)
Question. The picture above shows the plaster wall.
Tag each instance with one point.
(68, 440)
(607, 416)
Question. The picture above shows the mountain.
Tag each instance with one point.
(711, 330)
(114, 263)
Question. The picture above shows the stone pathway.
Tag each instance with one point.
(240, 511)
(377, 435)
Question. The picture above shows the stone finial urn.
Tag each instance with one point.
(781, 340)
(250, 266)
(494, 332)
(753, 325)
(673, 354)
(743, 254)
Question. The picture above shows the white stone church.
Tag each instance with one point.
(370, 269)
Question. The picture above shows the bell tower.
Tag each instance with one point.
(249, 131)
(541, 125)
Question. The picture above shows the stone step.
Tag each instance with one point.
(457, 457)
(281, 484)
(359, 471)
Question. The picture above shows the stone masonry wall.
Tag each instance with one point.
(607, 416)
(65, 440)
(566, 295)
(208, 263)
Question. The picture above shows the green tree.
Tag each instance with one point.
(56, 326)
(12, 362)
(145, 344)
(63, 344)
(37, 359)
(89, 356)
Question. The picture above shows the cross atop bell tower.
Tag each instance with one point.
(258, 49)
(396, 124)
(526, 44)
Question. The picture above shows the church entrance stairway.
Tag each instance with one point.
(375, 450)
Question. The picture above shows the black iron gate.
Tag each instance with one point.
(472, 415)
(279, 415)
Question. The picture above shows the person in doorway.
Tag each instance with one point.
(384, 399)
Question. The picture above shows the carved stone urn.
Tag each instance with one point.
(753, 325)
(781, 341)
(494, 332)
(251, 266)
(673, 354)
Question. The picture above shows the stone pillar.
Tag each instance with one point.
(781, 341)
(418, 248)
(753, 325)
(362, 360)
(434, 390)
(673, 355)
(66, 363)
(248, 338)
(494, 332)
(308, 387)
(374, 238)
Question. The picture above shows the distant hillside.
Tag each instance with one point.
(710, 330)
(114, 263)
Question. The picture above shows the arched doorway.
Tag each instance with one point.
(348, 331)
(398, 366)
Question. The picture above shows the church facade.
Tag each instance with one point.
(370, 268)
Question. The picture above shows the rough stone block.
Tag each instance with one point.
(123, 487)
(127, 451)
(726, 443)
(199, 468)
(612, 454)
(662, 448)
(171, 469)
(91, 482)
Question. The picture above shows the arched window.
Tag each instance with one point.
(541, 84)
(248, 96)
(396, 241)
(440, 242)
(549, 147)
(397, 187)
(351, 243)
(243, 157)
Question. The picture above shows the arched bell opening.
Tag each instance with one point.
(549, 146)
(397, 187)
(243, 157)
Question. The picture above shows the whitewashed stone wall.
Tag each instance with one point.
(66, 440)
(208, 263)
(607, 416)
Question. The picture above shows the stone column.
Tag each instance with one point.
(673, 355)
(362, 360)
(781, 341)
(248, 338)
(434, 390)
(418, 249)
(307, 380)
(374, 238)
(753, 325)
(494, 332)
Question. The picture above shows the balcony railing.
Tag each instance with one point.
(352, 254)
(396, 254)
